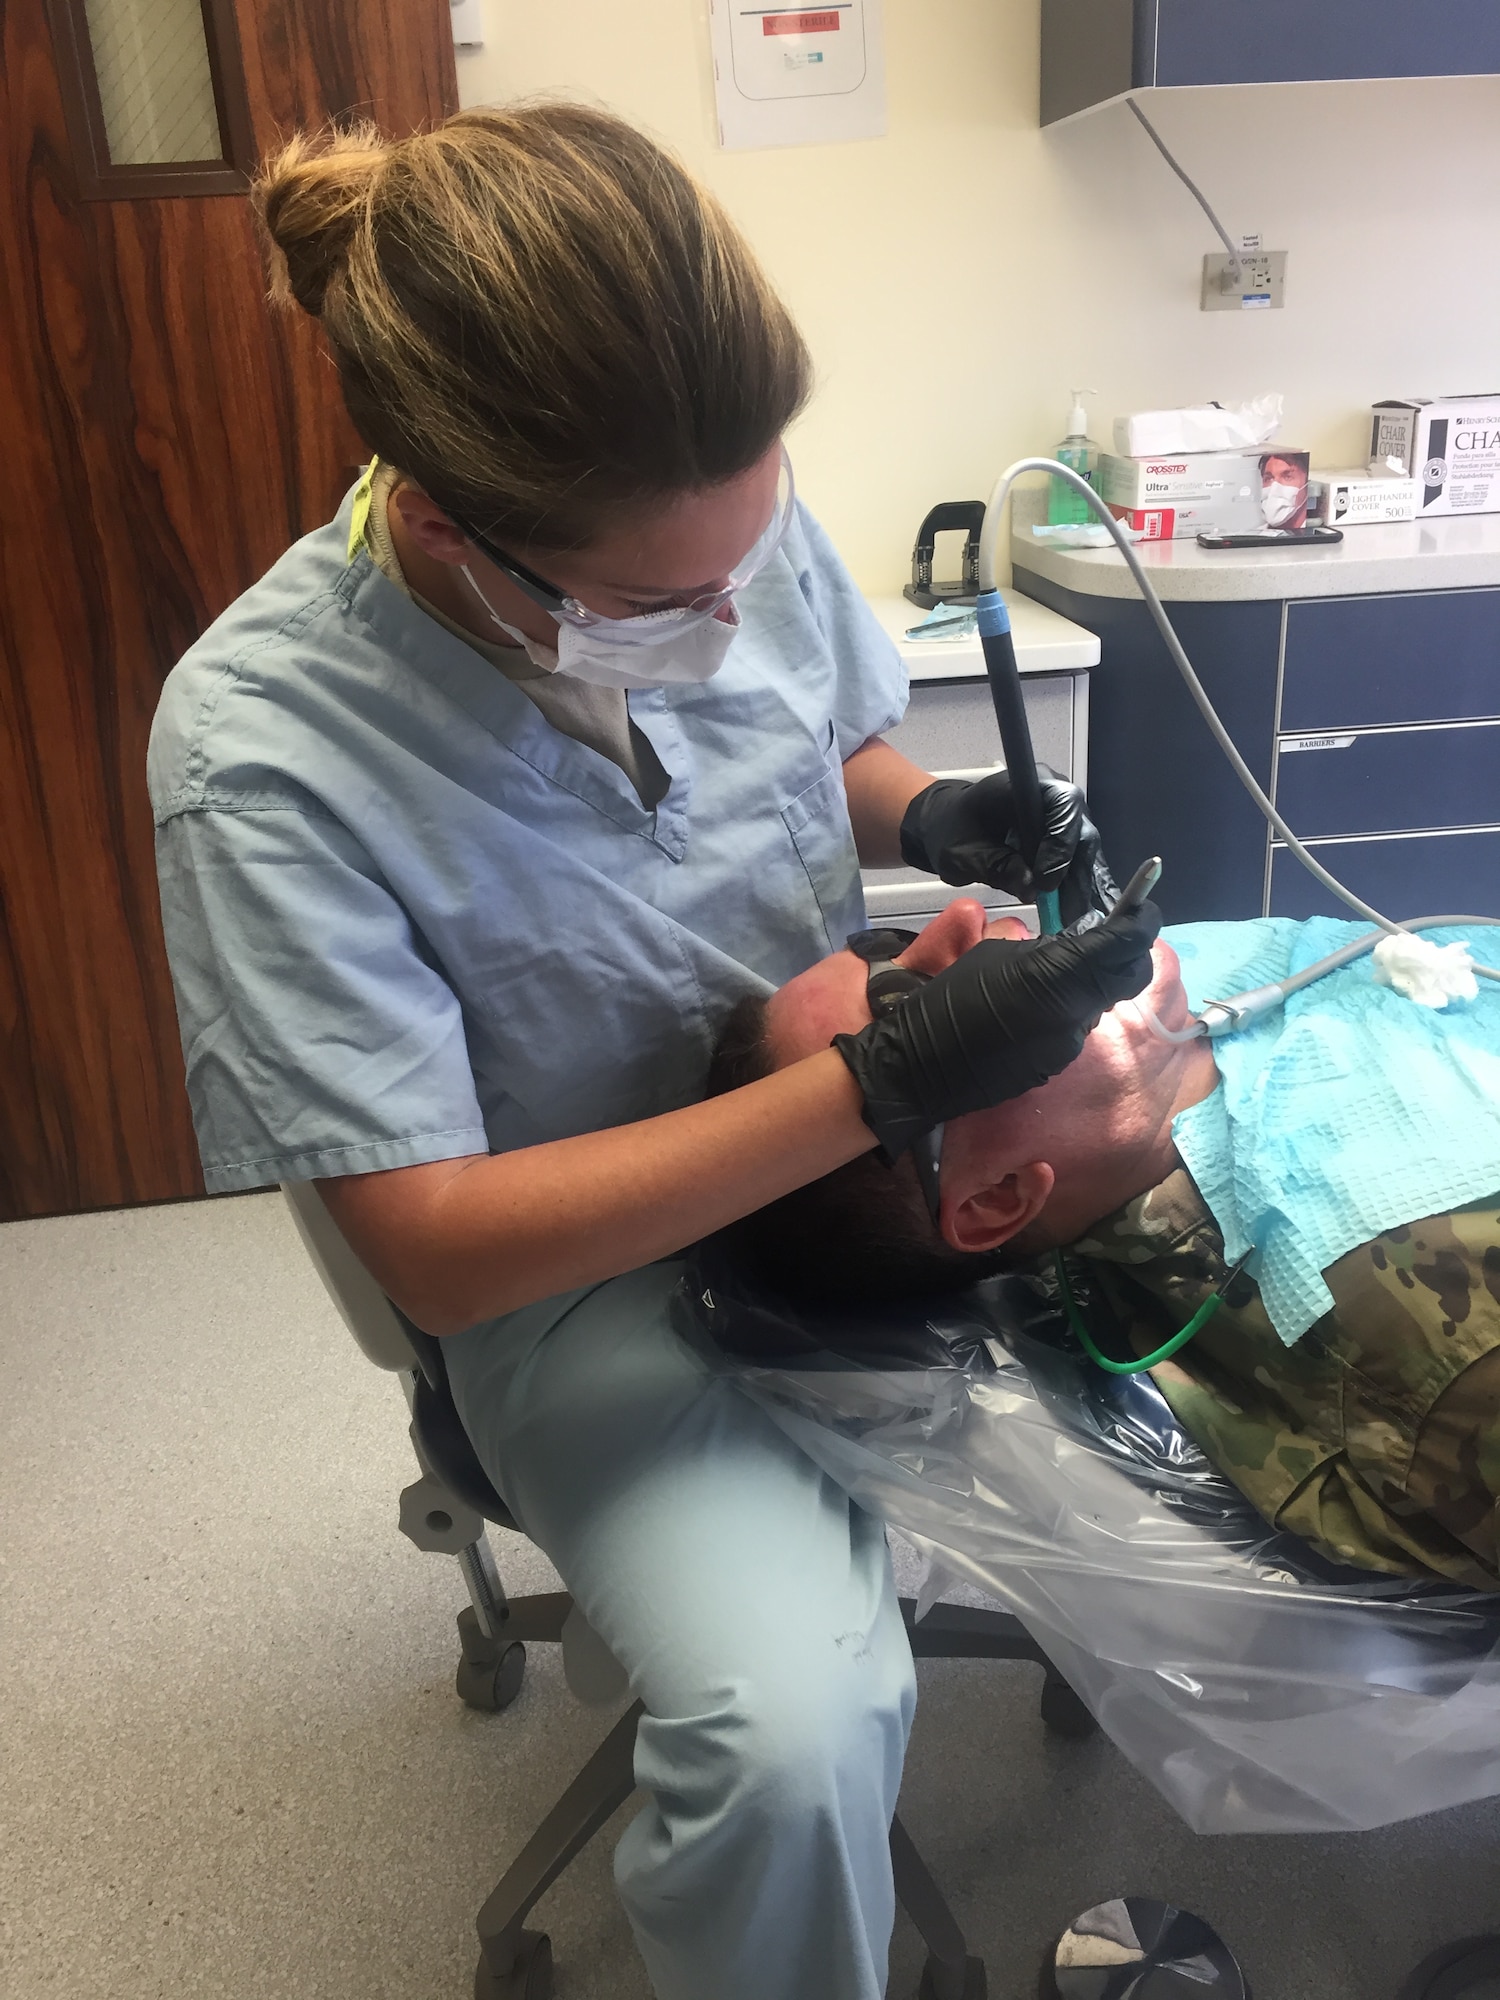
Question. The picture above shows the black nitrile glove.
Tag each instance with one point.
(966, 832)
(997, 1023)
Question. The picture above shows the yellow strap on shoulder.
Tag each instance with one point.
(358, 519)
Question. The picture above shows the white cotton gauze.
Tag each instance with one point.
(1430, 974)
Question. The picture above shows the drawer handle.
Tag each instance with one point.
(1289, 743)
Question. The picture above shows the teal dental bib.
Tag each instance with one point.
(1348, 1112)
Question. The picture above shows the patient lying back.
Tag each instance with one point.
(1376, 1436)
(1029, 1174)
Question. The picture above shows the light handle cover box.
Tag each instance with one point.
(1361, 498)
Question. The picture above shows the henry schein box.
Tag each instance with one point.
(1452, 445)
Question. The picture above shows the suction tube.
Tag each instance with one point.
(1015, 737)
(1195, 1030)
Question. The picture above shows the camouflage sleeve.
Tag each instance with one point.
(1377, 1436)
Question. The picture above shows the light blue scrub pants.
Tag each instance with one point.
(752, 1605)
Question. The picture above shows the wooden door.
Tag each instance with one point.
(166, 436)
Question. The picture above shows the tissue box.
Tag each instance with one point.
(1357, 497)
(1450, 446)
(1170, 433)
(1217, 493)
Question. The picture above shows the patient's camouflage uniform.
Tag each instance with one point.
(1377, 1436)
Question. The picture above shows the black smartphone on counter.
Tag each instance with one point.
(1266, 537)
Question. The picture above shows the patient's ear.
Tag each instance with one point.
(992, 1215)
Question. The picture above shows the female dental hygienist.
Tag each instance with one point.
(476, 814)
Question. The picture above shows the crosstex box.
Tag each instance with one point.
(1452, 445)
(1206, 492)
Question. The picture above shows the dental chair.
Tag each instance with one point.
(445, 1510)
(1258, 1686)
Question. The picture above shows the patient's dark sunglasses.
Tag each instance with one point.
(887, 986)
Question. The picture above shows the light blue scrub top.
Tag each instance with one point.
(408, 920)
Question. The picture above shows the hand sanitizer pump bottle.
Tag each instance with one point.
(1065, 506)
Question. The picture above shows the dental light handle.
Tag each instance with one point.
(1015, 739)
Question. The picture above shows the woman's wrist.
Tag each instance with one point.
(879, 785)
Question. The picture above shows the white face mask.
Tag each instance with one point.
(1278, 503)
(661, 649)
(539, 655)
(682, 646)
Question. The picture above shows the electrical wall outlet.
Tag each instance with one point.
(1260, 286)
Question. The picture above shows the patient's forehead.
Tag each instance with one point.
(805, 1014)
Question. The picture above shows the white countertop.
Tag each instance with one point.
(1456, 552)
(1044, 642)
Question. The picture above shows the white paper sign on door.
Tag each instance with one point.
(798, 76)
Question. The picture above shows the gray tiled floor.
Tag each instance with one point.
(232, 1760)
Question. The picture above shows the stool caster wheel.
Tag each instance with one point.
(530, 1975)
(491, 1670)
(1063, 1712)
(938, 1982)
(494, 1684)
(1148, 1949)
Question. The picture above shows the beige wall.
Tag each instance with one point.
(957, 276)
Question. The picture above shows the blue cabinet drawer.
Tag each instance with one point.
(1433, 656)
(1391, 780)
(1431, 874)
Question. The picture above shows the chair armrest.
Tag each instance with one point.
(362, 1305)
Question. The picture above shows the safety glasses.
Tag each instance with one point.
(887, 985)
(568, 610)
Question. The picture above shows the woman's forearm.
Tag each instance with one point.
(458, 1241)
(880, 784)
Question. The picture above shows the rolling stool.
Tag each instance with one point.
(445, 1512)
